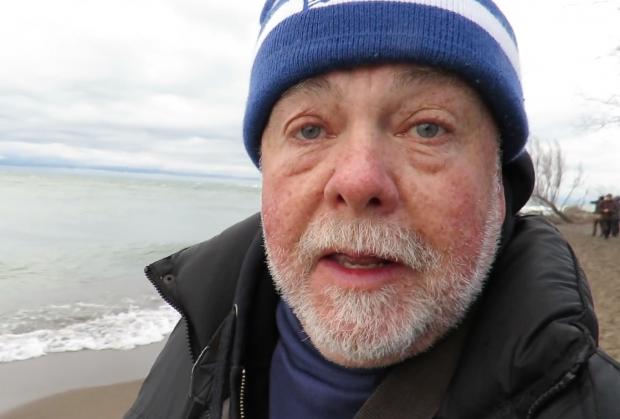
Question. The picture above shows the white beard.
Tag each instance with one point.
(384, 326)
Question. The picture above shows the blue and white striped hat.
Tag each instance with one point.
(300, 39)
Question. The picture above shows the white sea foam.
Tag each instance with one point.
(123, 330)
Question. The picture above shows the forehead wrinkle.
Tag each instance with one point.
(316, 85)
(418, 74)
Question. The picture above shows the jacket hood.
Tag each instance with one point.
(519, 179)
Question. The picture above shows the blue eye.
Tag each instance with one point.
(428, 130)
(310, 132)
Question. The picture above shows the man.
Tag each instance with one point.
(365, 288)
(609, 214)
(615, 224)
(597, 215)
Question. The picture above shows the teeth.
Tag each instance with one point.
(347, 263)
(350, 265)
(360, 262)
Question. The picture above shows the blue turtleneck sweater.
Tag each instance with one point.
(304, 385)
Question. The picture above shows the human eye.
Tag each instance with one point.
(427, 130)
(310, 132)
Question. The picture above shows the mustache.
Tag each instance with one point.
(377, 238)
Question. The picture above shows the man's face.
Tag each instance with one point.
(382, 207)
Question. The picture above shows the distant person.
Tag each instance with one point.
(388, 274)
(609, 215)
(597, 214)
(615, 220)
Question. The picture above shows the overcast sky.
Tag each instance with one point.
(160, 84)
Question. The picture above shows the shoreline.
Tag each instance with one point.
(63, 378)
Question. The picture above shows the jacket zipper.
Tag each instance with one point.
(242, 396)
(149, 276)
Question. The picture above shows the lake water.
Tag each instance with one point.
(73, 245)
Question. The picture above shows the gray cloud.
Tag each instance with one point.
(161, 84)
(147, 84)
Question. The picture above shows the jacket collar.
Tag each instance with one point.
(533, 327)
(204, 282)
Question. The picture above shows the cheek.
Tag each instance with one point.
(286, 209)
(452, 214)
(275, 214)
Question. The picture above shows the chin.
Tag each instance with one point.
(370, 329)
(421, 345)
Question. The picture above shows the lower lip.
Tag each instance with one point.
(329, 271)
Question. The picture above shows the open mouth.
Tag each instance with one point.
(359, 261)
(359, 271)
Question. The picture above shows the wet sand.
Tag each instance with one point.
(92, 383)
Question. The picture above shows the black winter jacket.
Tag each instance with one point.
(530, 351)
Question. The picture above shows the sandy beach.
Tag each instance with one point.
(103, 402)
(600, 259)
(66, 385)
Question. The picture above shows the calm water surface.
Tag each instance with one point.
(73, 245)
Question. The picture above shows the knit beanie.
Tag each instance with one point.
(300, 39)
